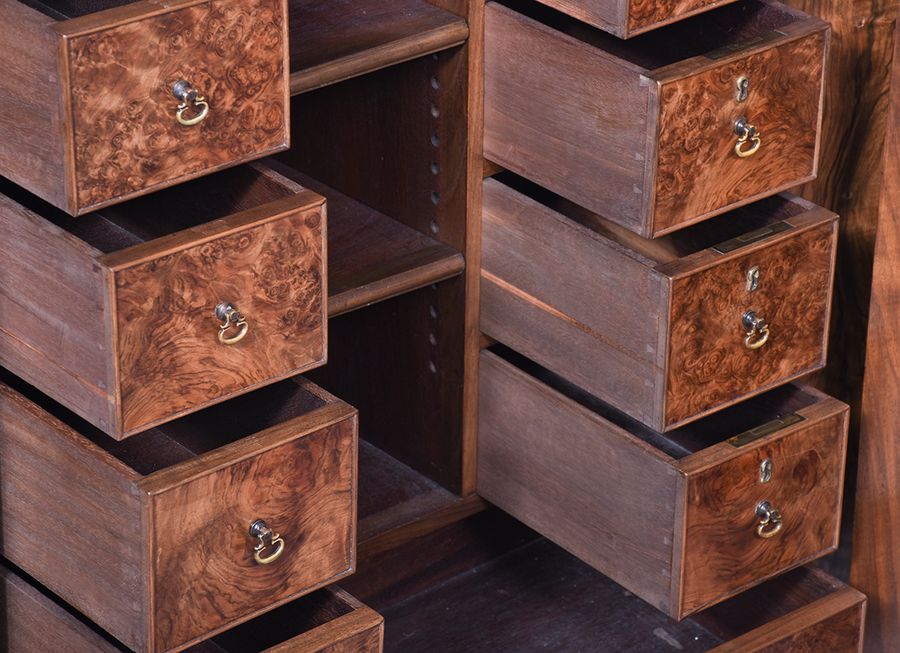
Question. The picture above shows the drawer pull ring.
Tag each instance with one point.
(190, 98)
(769, 520)
(266, 539)
(757, 330)
(747, 134)
(230, 318)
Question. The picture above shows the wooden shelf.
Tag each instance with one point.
(397, 504)
(335, 40)
(372, 257)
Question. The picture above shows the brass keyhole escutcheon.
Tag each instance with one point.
(749, 139)
(765, 471)
(752, 279)
(231, 321)
(770, 520)
(757, 333)
(741, 89)
(190, 100)
(266, 539)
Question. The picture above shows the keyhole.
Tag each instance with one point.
(752, 279)
(742, 89)
(765, 471)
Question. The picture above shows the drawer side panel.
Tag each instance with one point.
(576, 479)
(71, 518)
(565, 115)
(55, 313)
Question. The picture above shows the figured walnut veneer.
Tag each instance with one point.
(107, 124)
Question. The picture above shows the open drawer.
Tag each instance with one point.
(140, 313)
(35, 621)
(662, 131)
(187, 529)
(683, 519)
(667, 330)
(99, 107)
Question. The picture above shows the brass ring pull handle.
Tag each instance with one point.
(190, 99)
(231, 318)
(757, 330)
(266, 539)
(749, 139)
(770, 521)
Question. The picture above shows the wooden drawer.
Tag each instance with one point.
(115, 314)
(35, 621)
(150, 537)
(643, 132)
(656, 328)
(675, 518)
(627, 18)
(87, 119)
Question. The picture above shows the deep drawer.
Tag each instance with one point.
(684, 520)
(88, 119)
(329, 620)
(644, 132)
(628, 18)
(115, 314)
(134, 533)
(657, 328)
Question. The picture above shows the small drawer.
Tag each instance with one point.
(666, 330)
(646, 132)
(87, 119)
(628, 18)
(153, 537)
(35, 621)
(119, 314)
(684, 519)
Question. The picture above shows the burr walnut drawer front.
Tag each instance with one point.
(140, 313)
(664, 130)
(627, 18)
(118, 103)
(35, 621)
(685, 519)
(186, 529)
(665, 330)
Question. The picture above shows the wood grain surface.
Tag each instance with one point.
(708, 364)
(335, 40)
(644, 15)
(169, 357)
(303, 489)
(121, 111)
(62, 499)
(722, 552)
(31, 622)
(550, 115)
(875, 566)
(31, 131)
(541, 458)
(698, 171)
